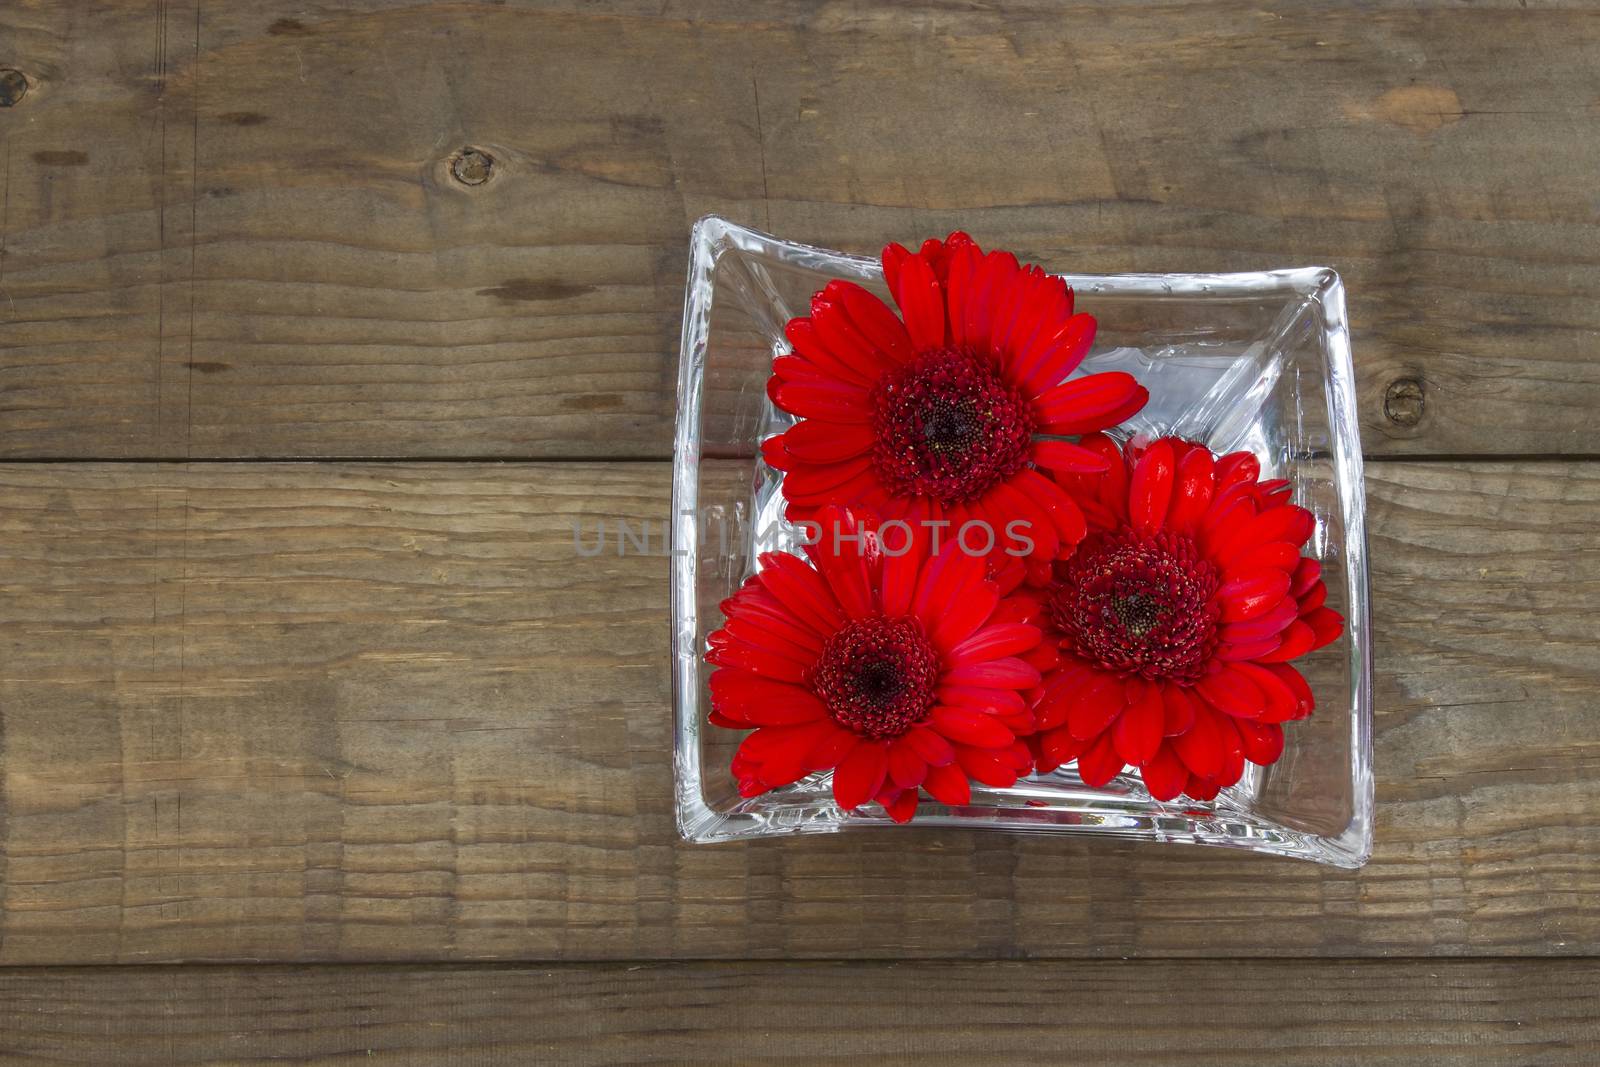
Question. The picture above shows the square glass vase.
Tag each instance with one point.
(1257, 362)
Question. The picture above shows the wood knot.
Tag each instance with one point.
(13, 86)
(472, 166)
(1403, 402)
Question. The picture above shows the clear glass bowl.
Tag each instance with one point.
(1240, 361)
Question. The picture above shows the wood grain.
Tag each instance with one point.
(384, 712)
(233, 230)
(1238, 1014)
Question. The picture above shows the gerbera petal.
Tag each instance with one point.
(980, 696)
(1237, 467)
(807, 342)
(1040, 528)
(824, 442)
(1129, 407)
(758, 661)
(1041, 307)
(907, 769)
(932, 586)
(1179, 710)
(1279, 555)
(794, 369)
(1249, 596)
(830, 748)
(994, 641)
(1270, 624)
(1223, 522)
(1230, 690)
(958, 239)
(1080, 405)
(801, 590)
(983, 765)
(1232, 752)
(1280, 701)
(874, 320)
(921, 301)
(1196, 478)
(769, 741)
(777, 754)
(1139, 728)
(893, 256)
(1326, 624)
(993, 274)
(1253, 650)
(1062, 509)
(962, 575)
(1020, 607)
(839, 558)
(757, 699)
(1306, 573)
(900, 806)
(964, 260)
(717, 718)
(1053, 355)
(1262, 742)
(1099, 763)
(773, 452)
(786, 768)
(780, 636)
(1005, 309)
(1150, 489)
(860, 774)
(1296, 641)
(1065, 456)
(843, 338)
(1093, 706)
(968, 612)
(930, 745)
(969, 727)
(1295, 681)
(1058, 747)
(1007, 673)
(1111, 489)
(948, 785)
(1291, 523)
(899, 582)
(829, 401)
(1164, 774)
(817, 479)
(853, 490)
(1200, 747)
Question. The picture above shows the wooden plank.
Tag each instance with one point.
(235, 230)
(1242, 1013)
(383, 712)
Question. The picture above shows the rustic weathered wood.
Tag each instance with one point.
(236, 230)
(1243, 1013)
(344, 712)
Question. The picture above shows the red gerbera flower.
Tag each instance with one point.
(941, 417)
(896, 672)
(1175, 621)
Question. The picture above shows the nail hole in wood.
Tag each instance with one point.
(13, 87)
(1403, 402)
(472, 166)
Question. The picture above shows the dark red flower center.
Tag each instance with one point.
(877, 676)
(949, 427)
(1139, 605)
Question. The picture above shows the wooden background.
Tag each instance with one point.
(321, 321)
